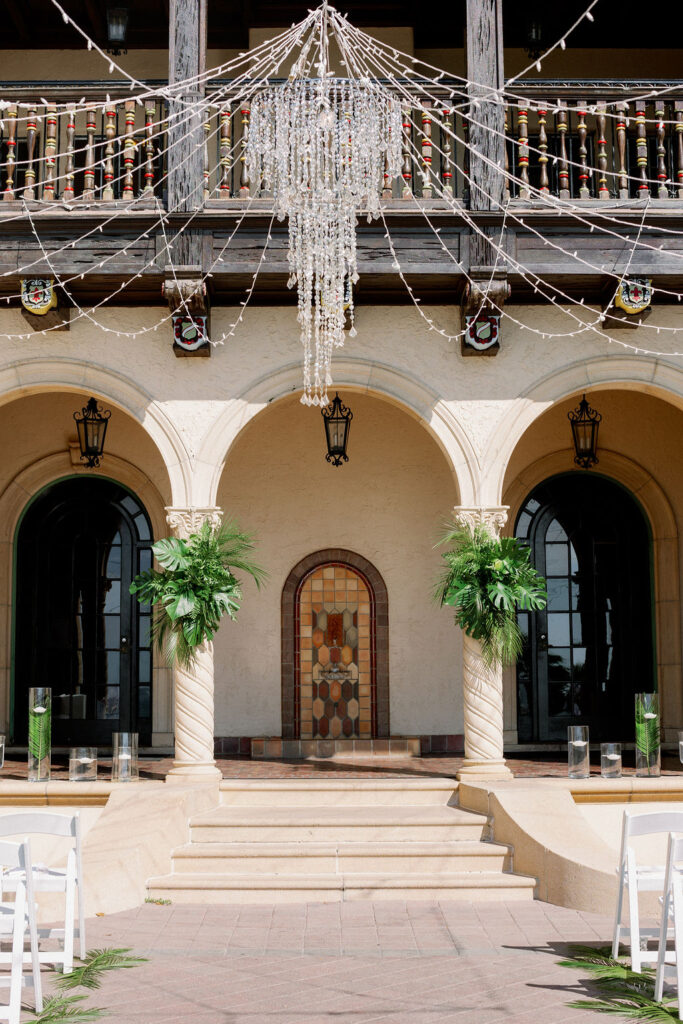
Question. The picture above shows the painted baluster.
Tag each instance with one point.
(679, 146)
(543, 149)
(109, 133)
(11, 117)
(447, 143)
(603, 187)
(407, 173)
(426, 154)
(523, 153)
(561, 127)
(68, 192)
(244, 178)
(622, 176)
(641, 151)
(50, 151)
(226, 122)
(30, 175)
(582, 132)
(89, 169)
(662, 190)
(150, 113)
(207, 169)
(128, 191)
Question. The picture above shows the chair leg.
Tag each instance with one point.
(634, 927)
(69, 921)
(14, 1008)
(81, 920)
(661, 952)
(617, 916)
(678, 937)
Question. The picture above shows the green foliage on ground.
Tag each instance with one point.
(97, 961)
(65, 1010)
(621, 991)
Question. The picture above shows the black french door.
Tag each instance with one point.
(78, 630)
(591, 648)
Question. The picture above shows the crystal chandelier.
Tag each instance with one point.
(321, 146)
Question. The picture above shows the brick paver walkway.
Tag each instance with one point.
(350, 963)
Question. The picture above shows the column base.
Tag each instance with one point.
(486, 770)
(194, 771)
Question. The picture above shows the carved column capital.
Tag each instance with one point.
(493, 517)
(187, 520)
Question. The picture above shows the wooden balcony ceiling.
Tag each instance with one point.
(618, 23)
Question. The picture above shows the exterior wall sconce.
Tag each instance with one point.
(585, 422)
(117, 30)
(92, 428)
(337, 423)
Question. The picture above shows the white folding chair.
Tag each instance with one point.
(16, 918)
(640, 878)
(68, 880)
(672, 911)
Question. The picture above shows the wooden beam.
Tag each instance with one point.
(97, 23)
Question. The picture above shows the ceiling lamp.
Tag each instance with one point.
(117, 30)
(337, 424)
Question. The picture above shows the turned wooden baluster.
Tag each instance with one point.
(447, 143)
(11, 116)
(582, 131)
(561, 127)
(505, 151)
(128, 191)
(641, 151)
(224, 185)
(50, 150)
(68, 192)
(207, 168)
(30, 175)
(244, 178)
(89, 169)
(407, 173)
(523, 154)
(426, 154)
(109, 133)
(662, 190)
(603, 188)
(622, 175)
(543, 149)
(679, 146)
(150, 112)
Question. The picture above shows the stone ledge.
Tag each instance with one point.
(276, 748)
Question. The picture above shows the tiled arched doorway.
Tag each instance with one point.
(335, 680)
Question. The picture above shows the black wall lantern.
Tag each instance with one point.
(337, 422)
(117, 30)
(585, 422)
(92, 428)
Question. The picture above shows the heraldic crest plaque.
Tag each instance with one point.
(40, 305)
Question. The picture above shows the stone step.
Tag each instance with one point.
(326, 792)
(326, 858)
(221, 889)
(227, 824)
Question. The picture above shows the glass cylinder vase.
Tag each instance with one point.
(578, 761)
(39, 733)
(125, 757)
(83, 764)
(610, 760)
(648, 751)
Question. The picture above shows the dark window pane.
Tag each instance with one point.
(555, 532)
(575, 595)
(577, 630)
(144, 666)
(142, 526)
(113, 668)
(558, 595)
(558, 630)
(559, 663)
(581, 669)
(144, 701)
(107, 702)
(144, 630)
(523, 524)
(556, 560)
(574, 562)
(114, 562)
(112, 600)
(112, 631)
(130, 505)
(523, 623)
(559, 698)
(145, 559)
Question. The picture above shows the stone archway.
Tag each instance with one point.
(374, 667)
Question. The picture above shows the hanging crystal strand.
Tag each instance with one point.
(11, 116)
(561, 126)
(641, 152)
(662, 191)
(543, 149)
(523, 155)
(582, 131)
(150, 111)
(68, 191)
(129, 151)
(89, 171)
(109, 132)
(603, 188)
(426, 154)
(447, 148)
(679, 146)
(30, 175)
(407, 173)
(244, 142)
(622, 175)
(50, 150)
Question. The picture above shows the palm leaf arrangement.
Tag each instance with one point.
(40, 730)
(622, 992)
(195, 587)
(647, 728)
(486, 579)
(89, 972)
(66, 1010)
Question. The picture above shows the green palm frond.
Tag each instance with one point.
(631, 1007)
(195, 587)
(97, 961)
(647, 728)
(64, 1010)
(487, 579)
(623, 992)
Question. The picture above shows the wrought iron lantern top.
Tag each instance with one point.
(337, 419)
(92, 428)
(584, 423)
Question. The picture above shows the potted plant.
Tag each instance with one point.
(195, 587)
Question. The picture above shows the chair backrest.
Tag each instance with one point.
(12, 855)
(674, 859)
(39, 823)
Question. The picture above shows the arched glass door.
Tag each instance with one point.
(591, 649)
(78, 629)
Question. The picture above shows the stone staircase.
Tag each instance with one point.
(314, 840)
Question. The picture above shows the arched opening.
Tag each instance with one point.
(78, 629)
(591, 648)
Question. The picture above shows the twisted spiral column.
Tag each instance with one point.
(194, 689)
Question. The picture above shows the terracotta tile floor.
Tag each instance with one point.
(524, 766)
(350, 963)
